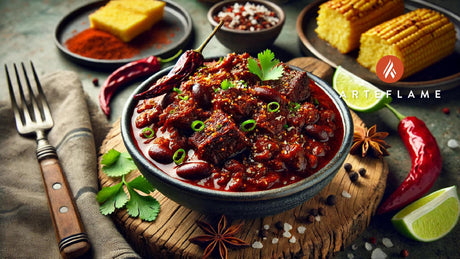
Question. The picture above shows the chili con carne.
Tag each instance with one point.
(127, 73)
(426, 163)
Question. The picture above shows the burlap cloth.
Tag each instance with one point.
(26, 229)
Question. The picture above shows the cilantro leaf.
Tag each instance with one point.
(111, 197)
(268, 68)
(122, 165)
(116, 164)
(144, 207)
(110, 157)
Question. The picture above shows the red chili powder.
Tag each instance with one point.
(97, 44)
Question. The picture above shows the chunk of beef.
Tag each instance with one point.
(221, 139)
(307, 114)
(181, 116)
(236, 102)
(295, 85)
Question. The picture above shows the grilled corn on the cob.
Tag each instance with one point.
(418, 38)
(341, 22)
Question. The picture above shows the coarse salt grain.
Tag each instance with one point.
(318, 218)
(354, 246)
(350, 256)
(452, 143)
(368, 246)
(287, 227)
(257, 245)
(266, 227)
(346, 194)
(387, 242)
(275, 240)
(292, 240)
(287, 234)
(301, 229)
(378, 254)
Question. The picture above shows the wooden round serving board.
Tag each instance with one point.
(168, 235)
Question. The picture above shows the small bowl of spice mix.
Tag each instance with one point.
(249, 26)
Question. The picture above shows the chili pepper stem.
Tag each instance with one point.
(395, 112)
(170, 58)
(200, 48)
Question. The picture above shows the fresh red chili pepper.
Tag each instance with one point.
(184, 67)
(426, 163)
(127, 73)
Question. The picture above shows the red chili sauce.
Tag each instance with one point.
(240, 135)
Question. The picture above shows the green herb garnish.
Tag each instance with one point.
(225, 84)
(268, 68)
(116, 164)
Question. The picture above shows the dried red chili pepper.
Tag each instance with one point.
(127, 73)
(184, 67)
(426, 163)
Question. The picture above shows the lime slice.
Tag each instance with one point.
(357, 93)
(430, 217)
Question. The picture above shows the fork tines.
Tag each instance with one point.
(29, 106)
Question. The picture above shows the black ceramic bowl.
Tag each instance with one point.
(247, 41)
(238, 204)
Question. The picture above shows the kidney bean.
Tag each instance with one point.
(202, 95)
(317, 132)
(194, 170)
(161, 152)
(267, 94)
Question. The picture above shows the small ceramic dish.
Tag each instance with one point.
(239, 40)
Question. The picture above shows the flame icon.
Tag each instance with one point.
(389, 70)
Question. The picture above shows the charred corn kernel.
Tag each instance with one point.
(418, 38)
(127, 18)
(341, 22)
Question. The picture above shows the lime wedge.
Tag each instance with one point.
(430, 217)
(357, 93)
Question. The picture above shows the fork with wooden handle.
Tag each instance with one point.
(33, 117)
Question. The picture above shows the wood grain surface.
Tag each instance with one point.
(341, 224)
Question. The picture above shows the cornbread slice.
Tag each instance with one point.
(418, 38)
(341, 22)
(127, 18)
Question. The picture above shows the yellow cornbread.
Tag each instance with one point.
(127, 18)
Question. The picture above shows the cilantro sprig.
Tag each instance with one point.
(138, 202)
(268, 68)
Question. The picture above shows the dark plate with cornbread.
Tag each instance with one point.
(176, 26)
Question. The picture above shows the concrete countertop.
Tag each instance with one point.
(27, 33)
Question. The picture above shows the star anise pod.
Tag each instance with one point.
(369, 141)
(218, 238)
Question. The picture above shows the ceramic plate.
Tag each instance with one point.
(440, 76)
(177, 21)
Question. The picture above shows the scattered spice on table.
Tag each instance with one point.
(219, 238)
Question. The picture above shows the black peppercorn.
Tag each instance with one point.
(347, 167)
(362, 171)
(310, 218)
(279, 225)
(331, 200)
(314, 212)
(322, 211)
(354, 176)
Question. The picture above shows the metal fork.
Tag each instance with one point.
(33, 116)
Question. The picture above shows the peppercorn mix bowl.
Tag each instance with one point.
(249, 26)
(275, 187)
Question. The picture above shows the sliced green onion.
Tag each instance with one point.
(148, 132)
(179, 156)
(183, 97)
(273, 107)
(177, 90)
(294, 106)
(248, 125)
(197, 125)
